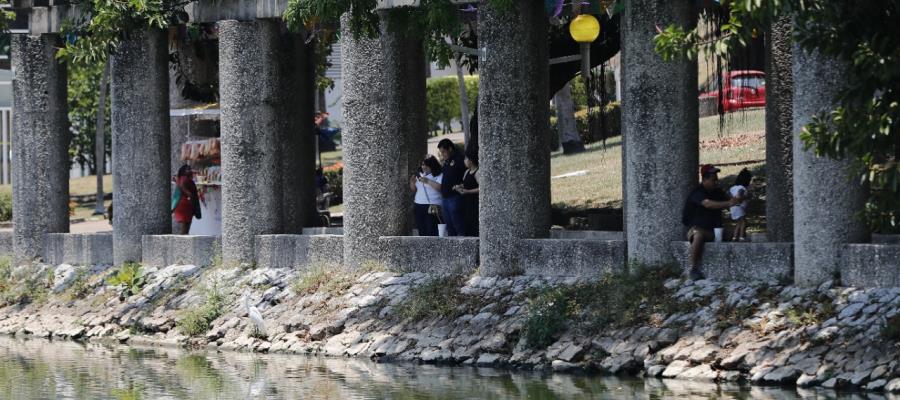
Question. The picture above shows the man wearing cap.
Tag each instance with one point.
(703, 213)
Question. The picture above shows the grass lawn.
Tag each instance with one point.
(741, 141)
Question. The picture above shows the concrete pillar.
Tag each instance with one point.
(378, 118)
(513, 121)
(660, 126)
(826, 198)
(139, 80)
(40, 161)
(779, 133)
(251, 166)
(296, 122)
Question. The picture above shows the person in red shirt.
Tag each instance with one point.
(184, 208)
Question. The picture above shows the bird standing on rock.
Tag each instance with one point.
(259, 324)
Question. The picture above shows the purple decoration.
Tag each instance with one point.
(559, 8)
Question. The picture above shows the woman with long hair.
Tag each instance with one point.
(187, 198)
(426, 185)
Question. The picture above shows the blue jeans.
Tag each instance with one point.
(425, 222)
(453, 216)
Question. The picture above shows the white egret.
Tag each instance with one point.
(256, 317)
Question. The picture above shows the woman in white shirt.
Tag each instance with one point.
(427, 187)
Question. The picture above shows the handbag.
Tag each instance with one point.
(176, 197)
(433, 209)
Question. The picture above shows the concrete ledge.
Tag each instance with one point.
(741, 262)
(429, 254)
(165, 250)
(334, 230)
(885, 239)
(592, 235)
(6, 243)
(871, 265)
(571, 257)
(78, 248)
(298, 251)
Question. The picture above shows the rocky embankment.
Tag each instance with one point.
(834, 337)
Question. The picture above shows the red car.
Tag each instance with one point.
(743, 89)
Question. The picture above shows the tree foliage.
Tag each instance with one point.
(83, 98)
(864, 127)
(432, 20)
(443, 99)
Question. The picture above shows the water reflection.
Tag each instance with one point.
(40, 369)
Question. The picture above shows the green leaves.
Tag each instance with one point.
(129, 279)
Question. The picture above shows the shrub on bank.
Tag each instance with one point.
(612, 126)
(615, 300)
(5, 204)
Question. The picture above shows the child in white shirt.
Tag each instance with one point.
(739, 211)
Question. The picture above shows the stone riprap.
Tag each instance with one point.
(139, 93)
(298, 251)
(660, 129)
(824, 220)
(430, 254)
(161, 250)
(871, 265)
(761, 333)
(40, 148)
(514, 150)
(592, 235)
(741, 262)
(571, 257)
(79, 248)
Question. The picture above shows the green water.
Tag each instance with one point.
(41, 369)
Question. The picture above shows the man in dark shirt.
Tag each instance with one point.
(453, 170)
(703, 213)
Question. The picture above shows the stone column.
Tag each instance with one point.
(40, 169)
(513, 121)
(779, 133)
(826, 198)
(376, 140)
(251, 135)
(139, 80)
(296, 121)
(660, 126)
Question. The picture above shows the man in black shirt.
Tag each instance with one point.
(703, 213)
(453, 169)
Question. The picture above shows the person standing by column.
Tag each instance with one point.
(185, 198)
(427, 188)
(453, 170)
(469, 191)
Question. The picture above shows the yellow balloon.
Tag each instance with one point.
(584, 28)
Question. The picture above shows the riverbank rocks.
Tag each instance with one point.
(768, 334)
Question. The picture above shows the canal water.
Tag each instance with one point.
(43, 369)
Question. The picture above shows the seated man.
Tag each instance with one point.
(703, 213)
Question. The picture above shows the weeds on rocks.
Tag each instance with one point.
(733, 315)
(437, 298)
(813, 313)
(332, 279)
(619, 299)
(129, 279)
(891, 330)
(80, 287)
(18, 289)
(197, 320)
